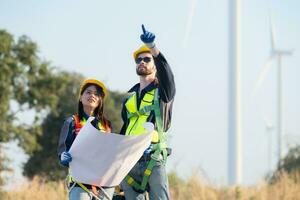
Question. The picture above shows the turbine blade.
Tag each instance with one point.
(263, 73)
(286, 52)
(272, 34)
(189, 22)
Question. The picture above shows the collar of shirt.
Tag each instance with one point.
(136, 89)
(148, 88)
(85, 116)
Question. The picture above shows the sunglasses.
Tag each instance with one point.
(145, 59)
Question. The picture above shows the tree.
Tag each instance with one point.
(22, 78)
(290, 164)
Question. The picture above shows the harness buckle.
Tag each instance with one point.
(158, 157)
(142, 110)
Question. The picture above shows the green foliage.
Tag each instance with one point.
(290, 164)
(8, 69)
(112, 109)
(23, 81)
(20, 71)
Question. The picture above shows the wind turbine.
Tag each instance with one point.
(276, 54)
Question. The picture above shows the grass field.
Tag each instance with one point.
(286, 188)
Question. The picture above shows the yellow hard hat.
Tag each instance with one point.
(95, 82)
(142, 49)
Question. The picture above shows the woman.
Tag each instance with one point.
(90, 104)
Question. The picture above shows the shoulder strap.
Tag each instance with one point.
(158, 119)
(78, 125)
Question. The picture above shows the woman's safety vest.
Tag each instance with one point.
(80, 123)
(137, 117)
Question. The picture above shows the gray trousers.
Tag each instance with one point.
(77, 193)
(158, 182)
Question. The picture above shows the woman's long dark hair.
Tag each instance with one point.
(98, 112)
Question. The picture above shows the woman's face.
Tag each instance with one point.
(90, 97)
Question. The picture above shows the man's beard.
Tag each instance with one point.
(143, 72)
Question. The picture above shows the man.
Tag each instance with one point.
(151, 100)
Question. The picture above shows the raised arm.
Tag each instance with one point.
(164, 73)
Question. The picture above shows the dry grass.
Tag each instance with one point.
(192, 189)
(285, 188)
(38, 189)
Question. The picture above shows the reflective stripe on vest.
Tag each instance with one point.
(136, 118)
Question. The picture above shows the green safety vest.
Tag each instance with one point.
(138, 116)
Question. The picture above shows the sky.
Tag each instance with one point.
(97, 39)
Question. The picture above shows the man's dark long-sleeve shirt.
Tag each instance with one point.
(166, 88)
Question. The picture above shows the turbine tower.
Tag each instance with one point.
(275, 54)
(269, 129)
(234, 96)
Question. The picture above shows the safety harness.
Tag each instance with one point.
(160, 148)
(70, 181)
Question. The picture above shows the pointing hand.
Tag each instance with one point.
(147, 37)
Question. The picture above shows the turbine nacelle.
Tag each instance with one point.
(282, 52)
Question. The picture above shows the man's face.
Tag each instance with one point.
(145, 64)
